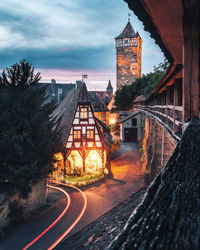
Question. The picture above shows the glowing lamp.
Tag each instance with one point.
(112, 121)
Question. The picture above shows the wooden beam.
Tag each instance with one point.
(190, 61)
(175, 104)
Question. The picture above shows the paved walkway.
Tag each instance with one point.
(127, 178)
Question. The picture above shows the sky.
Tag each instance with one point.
(64, 39)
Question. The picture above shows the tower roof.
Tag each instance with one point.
(127, 32)
(109, 85)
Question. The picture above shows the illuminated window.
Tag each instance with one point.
(90, 134)
(77, 134)
(83, 112)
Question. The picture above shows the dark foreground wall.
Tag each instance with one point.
(169, 216)
(16, 205)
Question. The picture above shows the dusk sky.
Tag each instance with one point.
(63, 38)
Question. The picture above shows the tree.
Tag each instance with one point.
(28, 142)
(141, 86)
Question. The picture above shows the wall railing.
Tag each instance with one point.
(168, 115)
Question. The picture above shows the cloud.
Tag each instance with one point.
(48, 23)
(68, 35)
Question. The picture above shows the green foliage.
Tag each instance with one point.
(142, 86)
(27, 139)
(86, 177)
(20, 74)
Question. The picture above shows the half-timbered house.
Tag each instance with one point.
(85, 140)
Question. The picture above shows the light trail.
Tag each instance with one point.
(77, 219)
(56, 221)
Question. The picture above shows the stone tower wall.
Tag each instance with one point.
(128, 64)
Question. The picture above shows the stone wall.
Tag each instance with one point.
(36, 199)
(128, 64)
(158, 146)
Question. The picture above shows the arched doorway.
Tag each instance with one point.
(76, 162)
(93, 162)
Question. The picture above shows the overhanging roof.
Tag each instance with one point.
(163, 19)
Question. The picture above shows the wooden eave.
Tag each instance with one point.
(169, 78)
(163, 19)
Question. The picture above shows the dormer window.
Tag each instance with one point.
(83, 112)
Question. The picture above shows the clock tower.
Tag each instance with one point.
(128, 48)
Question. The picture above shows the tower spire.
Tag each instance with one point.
(129, 15)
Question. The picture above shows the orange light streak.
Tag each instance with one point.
(53, 224)
(77, 219)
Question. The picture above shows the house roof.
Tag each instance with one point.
(98, 104)
(129, 116)
(64, 114)
(128, 32)
(107, 138)
(52, 90)
(83, 97)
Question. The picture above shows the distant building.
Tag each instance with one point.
(56, 90)
(105, 95)
(59, 90)
(128, 49)
(100, 109)
(131, 127)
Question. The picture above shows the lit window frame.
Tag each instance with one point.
(90, 134)
(77, 135)
(83, 113)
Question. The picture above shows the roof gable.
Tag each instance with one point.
(127, 32)
(129, 117)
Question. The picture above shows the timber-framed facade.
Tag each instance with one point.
(86, 141)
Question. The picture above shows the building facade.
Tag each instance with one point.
(132, 127)
(86, 140)
(128, 49)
